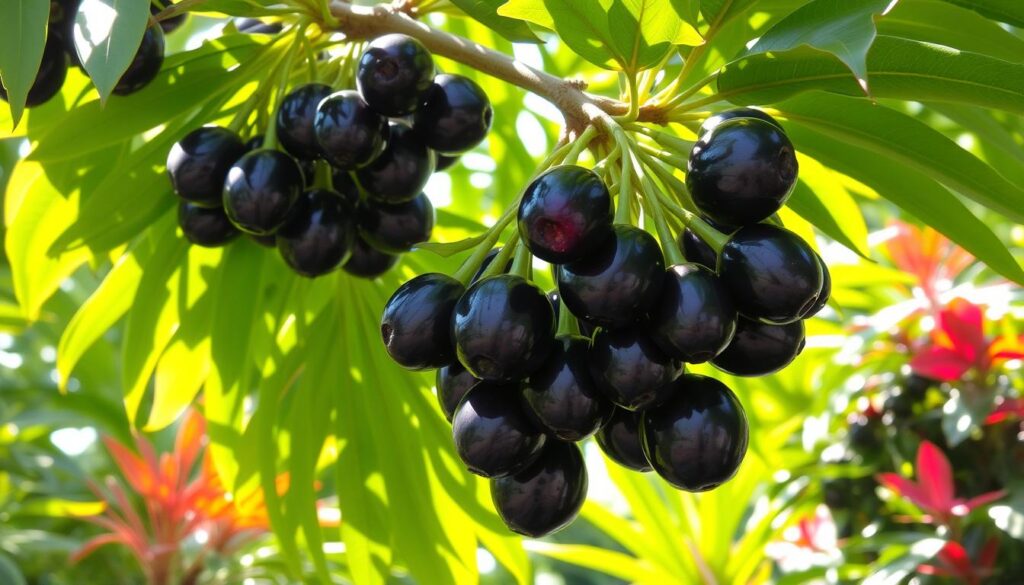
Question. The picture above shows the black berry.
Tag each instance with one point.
(772, 273)
(742, 171)
(619, 438)
(455, 115)
(695, 318)
(617, 282)
(712, 122)
(367, 261)
(630, 369)
(821, 299)
(348, 133)
(503, 328)
(317, 236)
(453, 382)
(758, 349)
(254, 26)
(697, 439)
(146, 64)
(394, 74)
(443, 162)
(492, 433)
(396, 228)
(203, 226)
(260, 189)
(401, 171)
(416, 324)
(295, 120)
(199, 163)
(53, 70)
(565, 213)
(546, 496)
(562, 397)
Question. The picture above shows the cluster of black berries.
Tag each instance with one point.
(59, 53)
(519, 395)
(366, 205)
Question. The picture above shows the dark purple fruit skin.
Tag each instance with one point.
(453, 382)
(758, 349)
(295, 120)
(253, 26)
(487, 262)
(697, 440)
(742, 171)
(401, 171)
(53, 70)
(712, 122)
(207, 227)
(546, 496)
(561, 397)
(503, 328)
(416, 324)
(455, 115)
(198, 164)
(565, 214)
(695, 317)
(146, 64)
(772, 273)
(824, 294)
(171, 24)
(367, 261)
(396, 228)
(317, 236)
(260, 189)
(347, 132)
(619, 438)
(308, 167)
(394, 74)
(443, 162)
(492, 433)
(630, 369)
(618, 281)
(265, 241)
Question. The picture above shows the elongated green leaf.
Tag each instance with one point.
(1008, 11)
(719, 12)
(9, 572)
(844, 29)
(849, 229)
(938, 21)
(897, 68)
(608, 562)
(913, 191)
(22, 38)
(901, 138)
(486, 12)
(107, 36)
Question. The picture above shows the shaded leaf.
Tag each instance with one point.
(942, 22)
(1008, 11)
(22, 38)
(486, 12)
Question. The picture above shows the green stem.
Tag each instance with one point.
(666, 156)
(523, 263)
(634, 100)
(580, 144)
(652, 207)
(665, 175)
(624, 204)
(567, 323)
(324, 175)
(497, 266)
(668, 141)
(682, 97)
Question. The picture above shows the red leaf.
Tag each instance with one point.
(189, 441)
(983, 500)
(141, 476)
(1007, 408)
(935, 476)
(91, 545)
(963, 323)
(906, 488)
(987, 557)
(1006, 348)
(940, 363)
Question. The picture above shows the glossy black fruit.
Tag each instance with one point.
(696, 250)
(758, 349)
(367, 261)
(492, 433)
(712, 122)
(503, 328)
(317, 236)
(772, 273)
(207, 227)
(348, 133)
(742, 171)
(617, 282)
(562, 397)
(455, 115)
(53, 70)
(487, 262)
(697, 440)
(396, 228)
(343, 183)
(824, 294)
(146, 64)
(630, 369)
(565, 214)
(401, 171)
(260, 189)
(199, 163)
(254, 26)
(416, 324)
(443, 162)
(619, 438)
(395, 72)
(695, 318)
(546, 496)
(308, 166)
(171, 24)
(295, 120)
(453, 382)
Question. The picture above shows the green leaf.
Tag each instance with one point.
(719, 12)
(901, 138)
(107, 36)
(847, 229)
(606, 561)
(22, 38)
(9, 572)
(1008, 11)
(936, 21)
(840, 27)
(913, 191)
(897, 68)
(486, 12)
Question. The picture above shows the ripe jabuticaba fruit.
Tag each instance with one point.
(759, 349)
(545, 496)
(619, 438)
(455, 115)
(199, 163)
(561, 396)
(350, 134)
(205, 226)
(713, 121)
(394, 73)
(367, 261)
(695, 318)
(146, 64)
(453, 382)
(396, 228)
(318, 234)
(260, 189)
(416, 324)
(401, 171)
(565, 213)
(493, 436)
(630, 369)
(295, 118)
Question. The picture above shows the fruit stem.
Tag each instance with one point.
(580, 144)
(324, 175)
(683, 96)
(666, 140)
(634, 100)
(270, 141)
(652, 206)
(497, 266)
(622, 211)
(666, 177)
(567, 323)
(523, 263)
